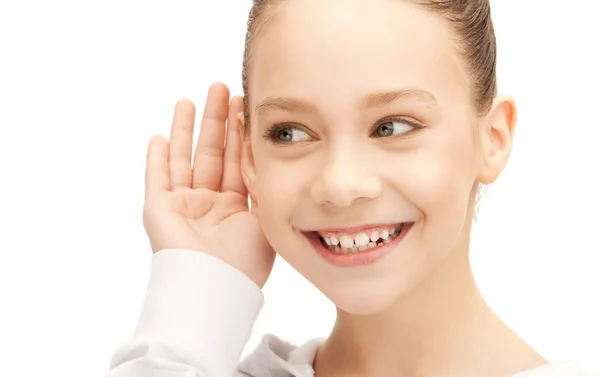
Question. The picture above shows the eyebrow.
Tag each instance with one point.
(287, 104)
(291, 104)
(385, 98)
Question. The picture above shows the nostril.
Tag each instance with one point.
(346, 189)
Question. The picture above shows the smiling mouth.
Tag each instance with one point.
(341, 243)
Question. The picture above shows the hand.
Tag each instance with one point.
(204, 206)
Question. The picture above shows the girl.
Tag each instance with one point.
(365, 132)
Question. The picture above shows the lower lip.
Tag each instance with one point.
(359, 258)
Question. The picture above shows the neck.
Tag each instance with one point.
(442, 327)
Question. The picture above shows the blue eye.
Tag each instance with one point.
(393, 128)
(288, 134)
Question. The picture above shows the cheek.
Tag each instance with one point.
(284, 177)
(279, 185)
(439, 181)
(278, 181)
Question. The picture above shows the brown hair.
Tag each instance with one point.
(469, 19)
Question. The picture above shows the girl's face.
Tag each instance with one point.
(361, 120)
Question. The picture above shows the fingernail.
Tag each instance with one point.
(240, 116)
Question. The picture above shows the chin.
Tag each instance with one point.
(364, 298)
(364, 308)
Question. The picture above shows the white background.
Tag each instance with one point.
(83, 86)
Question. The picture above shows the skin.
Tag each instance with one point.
(417, 312)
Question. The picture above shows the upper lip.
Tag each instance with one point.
(353, 229)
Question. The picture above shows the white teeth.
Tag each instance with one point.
(361, 239)
(334, 240)
(346, 242)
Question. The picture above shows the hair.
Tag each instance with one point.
(469, 19)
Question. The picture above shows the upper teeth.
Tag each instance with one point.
(360, 239)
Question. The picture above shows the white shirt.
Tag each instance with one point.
(197, 316)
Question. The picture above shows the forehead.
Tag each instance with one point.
(340, 49)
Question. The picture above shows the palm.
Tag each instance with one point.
(204, 207)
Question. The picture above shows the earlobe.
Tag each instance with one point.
(497, 137)
(247, 163)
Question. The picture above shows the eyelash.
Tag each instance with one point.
(270, 134)
(415, 126)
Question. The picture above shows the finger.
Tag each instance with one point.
(157, 166)
(180, 151)
(208, 158)
(232, 168)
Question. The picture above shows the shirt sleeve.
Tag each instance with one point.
(197, 316)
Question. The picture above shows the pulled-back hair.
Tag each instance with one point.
(469, 19)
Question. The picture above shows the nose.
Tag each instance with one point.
(345, 180)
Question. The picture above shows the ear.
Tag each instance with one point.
(497, 138)
(248, 167)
